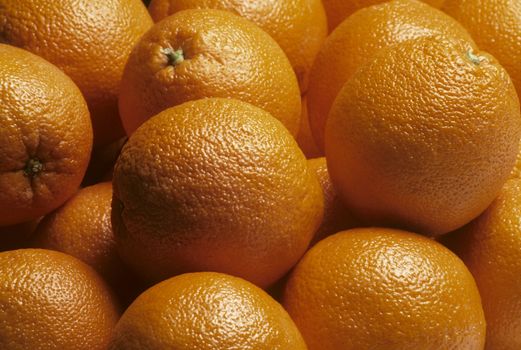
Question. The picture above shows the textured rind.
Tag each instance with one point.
(495, 25)
(49, 300)
(224, 56)
(361, 37)
(298, 26)
(491, 248)
(422, 137)
(205, 311)
(89, 40)
(338, 10)
(376, 288)
(43, 116)
(214, 184)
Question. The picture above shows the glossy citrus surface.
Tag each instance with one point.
(49, 300)
(214, 185)
(387, 289)
(359, 38)
(202, 53)
(298, 26)
(45, 136)
(204, 311)
(423, 136)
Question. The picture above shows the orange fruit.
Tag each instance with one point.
(45, 136)
(298, 26)
(423, 136)
(490, 246)
(516, 171)
(89, 40)
(338, 10)
(495, 25)
(50, 300)
(82, 228)
(214, 185)
(378, 288)
(207, 53)
(358, 39)
(203, 311)
(336, 216)
(304, 137)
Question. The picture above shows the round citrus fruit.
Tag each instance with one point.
(338, 10)
(214, 185)
(90, 40)
(423, 136)
(82, 228)
(490, 246)
(336, 216)
(298, 26)
(495, 25)
(358, 39)
(379, 288)
(45, 136)
(206, 311)
(304, 137)
(50, 300)
(207, 53)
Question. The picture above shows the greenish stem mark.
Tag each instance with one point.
(174, 56)
(33, 167)
(474, 58)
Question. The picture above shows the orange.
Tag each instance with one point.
(490, 246)
(207, 53)
(336, 216)
(304, 137)
(495, 25)
(423, 136)
(50, 300)
(338, 10)
(45, 136)
(377, 288)
(204, 311)
(82, 228)
(516, 171)
(214, 185)
(90, 40)
(359, 38)
(298, 26)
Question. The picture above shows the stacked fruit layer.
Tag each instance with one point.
(268, 174)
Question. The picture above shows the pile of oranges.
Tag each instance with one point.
(268, 174)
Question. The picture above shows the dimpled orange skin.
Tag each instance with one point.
(50, 300)
(82, 228)
(495, 25)
(298, 26)
(214, 185)
(203, 311)
(89, 40)
(304, 137)
(224, 56)
(423, 136)
(376, 288)
(358, 39)
(336, 216)
(338, 10)
(490, 246)
(45, 136)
